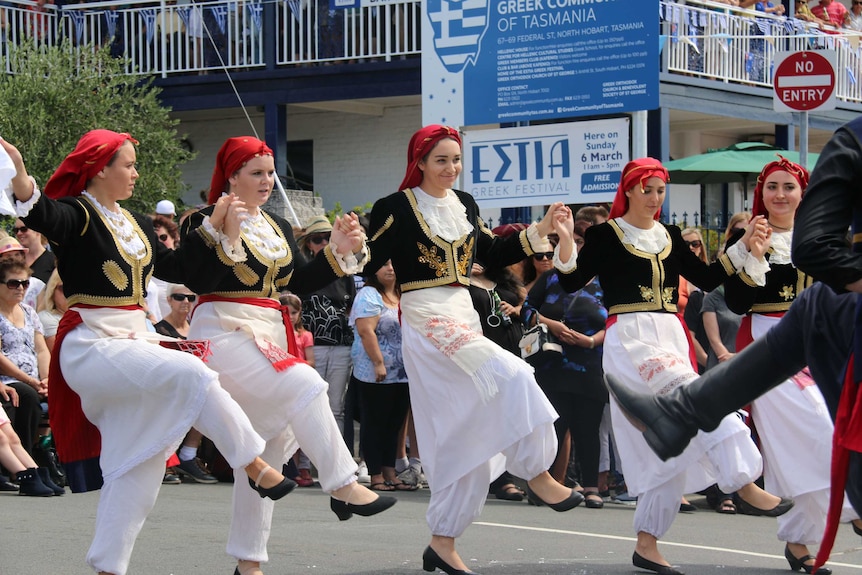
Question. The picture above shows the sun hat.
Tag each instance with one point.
(316, 225)
(10, 244)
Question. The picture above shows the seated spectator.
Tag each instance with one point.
(176, 324)
(12, 250)
(803, 12)
(32, 480)
(25, 356)
(40, 261)
(51, 308)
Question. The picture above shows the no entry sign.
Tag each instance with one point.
(804, 81)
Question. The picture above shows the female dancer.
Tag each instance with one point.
(765, 296)
(638, 262)
(461, 384)
(245, 259)
(141, 397)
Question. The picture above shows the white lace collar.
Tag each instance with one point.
(260, 234)
(446, 216)
(122, 228)
(781, 247)
(652, 241)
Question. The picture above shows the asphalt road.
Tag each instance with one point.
(186, 534)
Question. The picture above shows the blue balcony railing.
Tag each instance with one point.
(701, 39)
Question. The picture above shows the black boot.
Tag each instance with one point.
(29, 483)
(670, 421)
(45, 476)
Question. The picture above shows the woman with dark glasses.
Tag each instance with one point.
(535, 265)
(176, 323)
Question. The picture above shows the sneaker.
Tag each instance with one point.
(171, 478)
(362, 474)
(623, 498)
(409, 477)
(196, 470)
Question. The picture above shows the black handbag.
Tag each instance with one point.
(537, 342)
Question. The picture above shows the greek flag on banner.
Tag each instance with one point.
(458, 29)
(295, 9)
(851, 76)
(78, 21)
(256, 9)
(149, 16)
(111, 22)
(220, 14)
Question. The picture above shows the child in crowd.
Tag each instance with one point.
(305, 348)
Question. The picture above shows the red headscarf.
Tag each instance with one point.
(637, 172)
(92, 153)
(232, 156)
(782, 164)
(420, 145)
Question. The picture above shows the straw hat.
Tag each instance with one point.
(316, 225)
(10, 244)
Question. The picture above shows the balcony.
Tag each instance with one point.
(702, 40)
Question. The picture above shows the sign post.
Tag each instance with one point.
(804, 82)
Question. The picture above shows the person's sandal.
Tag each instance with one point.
(726, 506)
(275, 492)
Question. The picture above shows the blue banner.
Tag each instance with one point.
(490, 61)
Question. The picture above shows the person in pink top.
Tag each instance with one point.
(834, 12)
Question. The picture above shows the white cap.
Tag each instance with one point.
(166, 208)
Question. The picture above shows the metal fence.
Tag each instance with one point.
(162, 37)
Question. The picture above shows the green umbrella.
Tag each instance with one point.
(736, 163)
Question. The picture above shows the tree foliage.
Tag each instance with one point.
(57, 93)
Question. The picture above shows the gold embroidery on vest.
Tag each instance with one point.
(464, 260)
(115, 275)
(667, 295)
(786, 292)
(647, 294)
(430, 257)
(245, 274)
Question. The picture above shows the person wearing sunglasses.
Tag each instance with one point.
(168, 233)
(24, 358)
(37, 258)
(12, 250)
(139, 398)
(535, 265)
(638, 261)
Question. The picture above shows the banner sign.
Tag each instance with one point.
(575, 163)
(493, 61)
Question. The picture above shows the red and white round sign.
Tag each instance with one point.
(804, 81)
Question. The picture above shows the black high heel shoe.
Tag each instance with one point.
(798, 563)
(574, 499)
(275, 492)
(432, 561)
(857, 530)
(345, 510)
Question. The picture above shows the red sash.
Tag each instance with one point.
(279, 358)
(846, 438)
